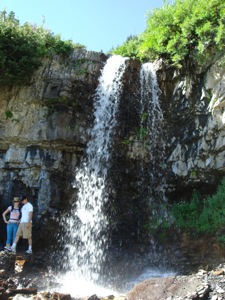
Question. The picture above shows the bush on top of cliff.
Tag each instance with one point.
(184, 31)
(22, 48)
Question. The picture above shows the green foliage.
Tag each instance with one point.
(79, 62)
(56, 104)
(221, 240)
(184, 31)
(8, 114)
(142, 133)
(57, 100)
(129, 48)
(22, 48)
(201, 215)
(186, 213)
(144, 116)
(126, 141)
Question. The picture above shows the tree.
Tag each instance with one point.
(182, 31)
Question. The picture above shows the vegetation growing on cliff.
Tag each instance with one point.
(201, 216)
(184, 31)
(22, 48)
(195, 217)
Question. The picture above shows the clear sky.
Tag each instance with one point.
(97, 24)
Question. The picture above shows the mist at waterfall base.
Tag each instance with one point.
(87, 225)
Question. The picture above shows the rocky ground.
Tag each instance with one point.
(27, 277)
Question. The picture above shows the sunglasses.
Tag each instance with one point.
(16, 201)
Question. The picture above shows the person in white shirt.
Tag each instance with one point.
(25, 227)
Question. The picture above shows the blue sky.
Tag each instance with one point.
(97, 24)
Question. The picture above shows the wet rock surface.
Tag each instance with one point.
(24, 276)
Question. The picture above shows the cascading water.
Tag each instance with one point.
(151, 124)
(87, 225)
(150, 107)
(149, 147)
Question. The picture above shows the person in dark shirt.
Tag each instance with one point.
(12, 222)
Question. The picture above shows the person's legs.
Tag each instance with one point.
(9, 234)
(18, 234)
(15, 228)
(9, 230)
(29, 237)
(29, 246)
(30, 242)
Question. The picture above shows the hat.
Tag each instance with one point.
(23, 198)
(16, 199)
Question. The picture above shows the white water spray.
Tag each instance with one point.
(87, 226)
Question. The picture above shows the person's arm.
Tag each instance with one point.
(4, 214)
(30, 217)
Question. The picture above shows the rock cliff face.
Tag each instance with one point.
(44, 130)
(194, 122)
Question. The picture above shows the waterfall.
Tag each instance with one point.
(151, 118)
(151, 123)
(152, 185)
(87, 224)
(151, 112)
(86, 238)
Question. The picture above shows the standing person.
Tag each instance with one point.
(25, 227)
(13, 221)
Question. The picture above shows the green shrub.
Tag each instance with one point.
(8, 114)
(22, 49)
(129, 48)
(201, 215)
(221, 240)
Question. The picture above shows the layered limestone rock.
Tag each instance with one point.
(194, 122)
(43, 131)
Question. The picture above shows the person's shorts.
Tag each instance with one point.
(23, 231)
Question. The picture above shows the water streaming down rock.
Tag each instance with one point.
(134, 265)
(151, 131)
(87, 225)
(149, 149)
(151, 111)
(151, 136)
